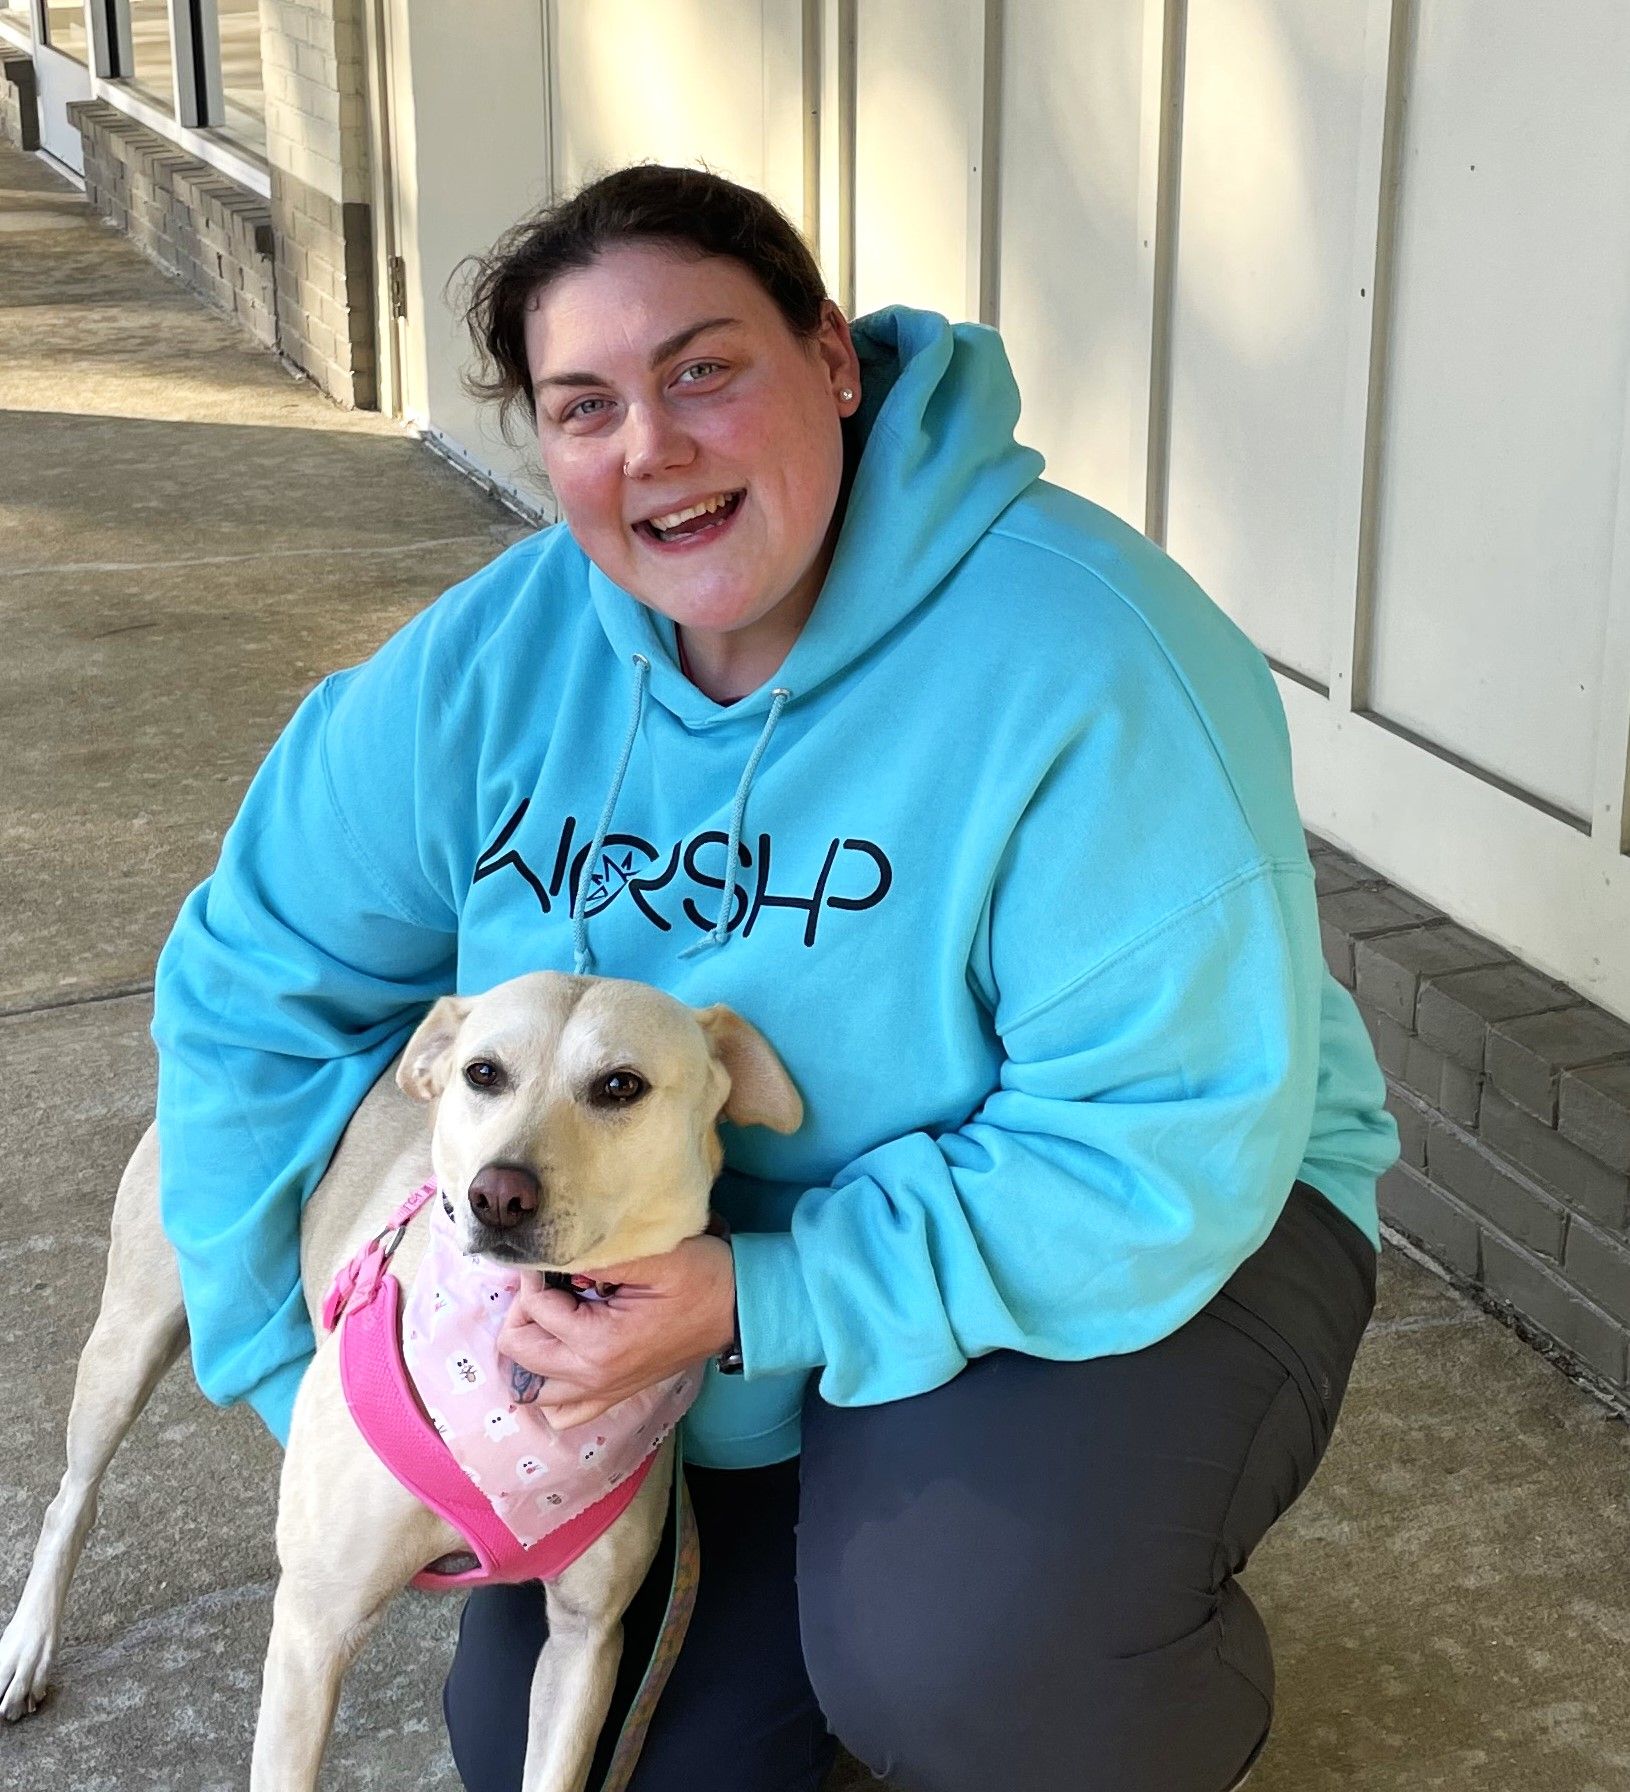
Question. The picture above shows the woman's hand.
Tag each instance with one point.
(668, 1313)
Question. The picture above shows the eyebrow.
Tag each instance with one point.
(670, 345)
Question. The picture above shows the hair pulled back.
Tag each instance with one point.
(690, 210)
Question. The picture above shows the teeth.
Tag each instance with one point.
(683, 516)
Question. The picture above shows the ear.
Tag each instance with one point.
(422, 1072)
(761, 1092)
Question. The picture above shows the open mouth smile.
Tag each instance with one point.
(696, 523)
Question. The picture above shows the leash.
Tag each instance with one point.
(675, 1622)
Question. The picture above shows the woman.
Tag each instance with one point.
(1047, 1311)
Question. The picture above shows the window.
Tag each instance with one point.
(151, 70)
(65, 29)
(244, 103)
(199, 61)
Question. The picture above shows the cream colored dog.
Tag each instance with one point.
(619, 1180)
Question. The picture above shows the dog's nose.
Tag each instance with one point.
(501, 1196)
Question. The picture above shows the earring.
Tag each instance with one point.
(846, 393)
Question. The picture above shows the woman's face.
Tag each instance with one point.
(642, 414)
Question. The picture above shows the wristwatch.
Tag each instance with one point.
(728, 1359)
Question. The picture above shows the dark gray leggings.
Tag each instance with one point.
(1024, 1579)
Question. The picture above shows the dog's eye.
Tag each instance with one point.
(620, 1087)
(483, 1074)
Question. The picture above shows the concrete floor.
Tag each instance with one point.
(189, 538)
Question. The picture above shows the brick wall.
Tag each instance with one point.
(312, 54)
(191, 220)
(299, 272)
(19, 114)
(1512, 1097)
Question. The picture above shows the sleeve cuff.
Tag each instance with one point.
(779, 1335)
(273, 1399)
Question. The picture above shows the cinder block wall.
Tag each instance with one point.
(19, 114)
(298, 273)
(313, 66)
(193, 221)
(1512, 1097)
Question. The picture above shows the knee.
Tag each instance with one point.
(1004, 1697)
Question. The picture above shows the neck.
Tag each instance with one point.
(725, 665)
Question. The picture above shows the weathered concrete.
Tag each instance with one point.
(1451, 1599)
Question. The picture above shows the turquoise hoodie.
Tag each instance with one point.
(1021, 899)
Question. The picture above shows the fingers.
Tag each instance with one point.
(571, 1413)
(551, 1308)
(537, 1348)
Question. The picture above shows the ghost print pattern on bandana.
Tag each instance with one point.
(484, 1407)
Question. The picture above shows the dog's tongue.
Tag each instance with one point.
(584, 1287)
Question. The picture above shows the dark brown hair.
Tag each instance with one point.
(695, 212)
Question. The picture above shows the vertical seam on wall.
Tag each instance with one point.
(811, 72)
(848, 32)
(1400, 59)
(1168, 186)
(990, 168)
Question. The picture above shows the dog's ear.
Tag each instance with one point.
(422, 1072)
(761, 1092)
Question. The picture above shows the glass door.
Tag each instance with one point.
(62, 74)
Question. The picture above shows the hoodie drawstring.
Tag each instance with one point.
(719, 933)
(582, 957)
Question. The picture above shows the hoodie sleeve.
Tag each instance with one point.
(1150, 1116)
(293, 975)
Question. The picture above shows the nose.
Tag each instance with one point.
(501, 1196)
(652, 442)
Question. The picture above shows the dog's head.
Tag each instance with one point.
(577, 1117)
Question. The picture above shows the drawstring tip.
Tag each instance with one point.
(705, 944)
(582, 964)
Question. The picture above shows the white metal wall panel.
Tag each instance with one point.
(467, 165)
(1073, 307)
(919, 82)
(1505, 398)
(1337, 298)
(1260, 323)
(681, 81)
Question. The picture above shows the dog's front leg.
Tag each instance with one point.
(349, 1536)
(577, 1669)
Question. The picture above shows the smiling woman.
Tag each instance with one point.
(689, 426)
(820, 707)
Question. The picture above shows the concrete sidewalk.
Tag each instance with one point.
(189, 539)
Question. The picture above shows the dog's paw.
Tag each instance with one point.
(25, 1670)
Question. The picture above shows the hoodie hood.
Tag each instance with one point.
(937, 464)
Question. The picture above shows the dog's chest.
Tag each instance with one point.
(484, 1407)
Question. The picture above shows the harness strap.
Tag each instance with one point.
(365, 1303)
(387, 1412)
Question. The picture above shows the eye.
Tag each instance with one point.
(618, 1088)
(577, 410)
(704, 368)
(482, 1073)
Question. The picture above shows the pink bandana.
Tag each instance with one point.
(483, 1405)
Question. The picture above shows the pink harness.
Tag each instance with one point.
(527, 1499)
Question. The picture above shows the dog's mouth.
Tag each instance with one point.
(502, 1249)
(530, 1247)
